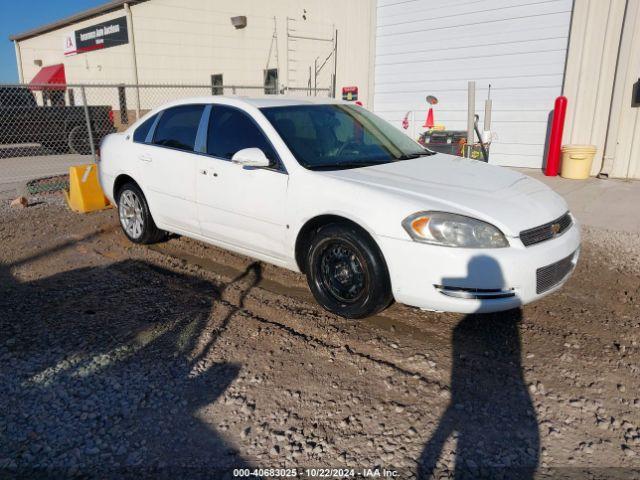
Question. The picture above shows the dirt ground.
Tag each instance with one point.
(186, 359)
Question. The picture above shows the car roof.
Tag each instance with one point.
(240, 101)
(257, 102)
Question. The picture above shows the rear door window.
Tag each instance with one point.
(140, 135)
(178, 127)
(231, 130)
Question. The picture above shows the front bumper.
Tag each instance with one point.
(473, 280)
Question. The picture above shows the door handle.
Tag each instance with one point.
(203, 172)
(145, 157)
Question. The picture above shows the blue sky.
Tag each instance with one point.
(21, 15)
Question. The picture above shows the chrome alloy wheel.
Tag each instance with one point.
(130, 211)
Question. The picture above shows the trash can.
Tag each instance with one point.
(576, 161)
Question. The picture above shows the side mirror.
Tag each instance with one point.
(251, 157)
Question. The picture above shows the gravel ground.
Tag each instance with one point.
(179, 360)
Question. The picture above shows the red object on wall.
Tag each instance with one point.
(555, 138)
(428, 123)
(51, 77)
(350, 93)
(405, 121)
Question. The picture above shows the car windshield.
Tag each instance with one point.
(338, 136)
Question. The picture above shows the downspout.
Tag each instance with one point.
(134, 58)
(19, 61)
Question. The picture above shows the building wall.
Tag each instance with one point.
(591, 66)
(430, 47)
(622, 150)
(602, 67)
(111, 65)
(186, 41)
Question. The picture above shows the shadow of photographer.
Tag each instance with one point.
(103, 376)
(490, 413)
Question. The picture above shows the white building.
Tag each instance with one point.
(530, 52)
(291, 43)
(395, 52)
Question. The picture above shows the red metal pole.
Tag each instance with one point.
(555, 138)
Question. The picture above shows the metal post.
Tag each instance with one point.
(487, 112)
(88, 120)
(471, 111)
(315, 77)
(335, 61)
(134, 58)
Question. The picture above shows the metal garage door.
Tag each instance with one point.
(431, 47)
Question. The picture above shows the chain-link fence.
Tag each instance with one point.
(45, 129)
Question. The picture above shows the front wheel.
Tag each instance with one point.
(135, 217)
(347, 273)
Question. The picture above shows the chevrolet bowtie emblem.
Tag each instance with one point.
(555, 228)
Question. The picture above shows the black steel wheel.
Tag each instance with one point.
(347, 273)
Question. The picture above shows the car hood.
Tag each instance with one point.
(510, 200)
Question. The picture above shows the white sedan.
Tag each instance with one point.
(331, 190)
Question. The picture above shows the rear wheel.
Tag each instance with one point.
(135, 217)
(347, 273)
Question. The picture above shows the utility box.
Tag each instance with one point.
(451, 142)
(444, 141)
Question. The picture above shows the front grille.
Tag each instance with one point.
(547, 231)
(551, 275)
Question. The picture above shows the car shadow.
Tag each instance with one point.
(490, 416)
(102, 372)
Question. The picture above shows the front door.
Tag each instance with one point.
(241, 206)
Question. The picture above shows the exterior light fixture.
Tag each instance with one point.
(239, 22)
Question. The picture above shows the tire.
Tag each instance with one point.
(346, 272)
(78, 140)
(134, 215)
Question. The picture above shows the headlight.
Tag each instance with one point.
(453, 230)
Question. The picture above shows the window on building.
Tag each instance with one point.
(178, 127)
(231, 130)
(140, 135)
(216, 84)
(271, 81)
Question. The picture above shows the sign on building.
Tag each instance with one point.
(350, 93)
(97, 37)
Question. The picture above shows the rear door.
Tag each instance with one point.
(168, 164)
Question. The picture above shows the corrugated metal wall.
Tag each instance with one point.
(432, 47)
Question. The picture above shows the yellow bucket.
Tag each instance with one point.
(576, 161)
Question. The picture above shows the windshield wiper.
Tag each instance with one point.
(342, 165)
(411, 156)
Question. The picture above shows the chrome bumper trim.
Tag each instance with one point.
(475, 293)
